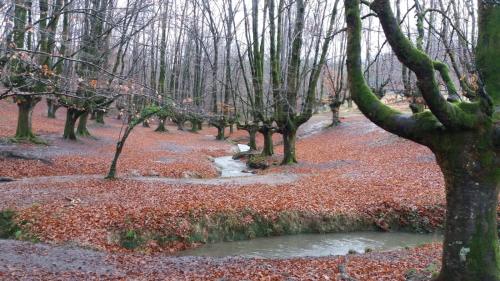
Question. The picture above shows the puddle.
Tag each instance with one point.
(314, 245)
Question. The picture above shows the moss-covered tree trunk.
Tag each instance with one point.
(69, 126)
(99, 117)
(195, 125)
(470, 248)
(220, 132)
(464, 136)
(161, 126)
(82, 130)
(25, 107)
(289, 140)
(52, 108)
(252, 134)
(267, 133)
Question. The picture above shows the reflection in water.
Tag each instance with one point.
(313, 245)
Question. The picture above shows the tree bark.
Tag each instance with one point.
(82, 130)
(335, 109)
(267, 133)
(220, 133)
(99, 118)
(470, 248)
(289, 139)
(161, 126)
(25, 107)
(51, 108)
(69, 126)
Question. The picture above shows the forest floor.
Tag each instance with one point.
(168, 198)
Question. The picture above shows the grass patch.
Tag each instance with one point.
(8, 227)
(131, 239)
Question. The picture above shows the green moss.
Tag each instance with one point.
(480, 248)
(8, 227)
(131, 239)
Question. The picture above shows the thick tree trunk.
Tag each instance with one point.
(99, 117)
(195, 126)
(220, 133)
(25, 110)
(335, 109)
(470, 248)
(161, 126)
(69, 126)
(289, 139)
(82, 130)
(51, 108)
(268, 149)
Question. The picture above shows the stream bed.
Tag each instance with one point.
(314, 245)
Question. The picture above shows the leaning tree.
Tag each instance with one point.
(464, 136)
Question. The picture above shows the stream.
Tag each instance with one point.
(314, 245)
(230, 167)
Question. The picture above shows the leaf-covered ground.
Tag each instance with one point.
(353, 171)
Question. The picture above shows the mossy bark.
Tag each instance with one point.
(220, 133)
(82, 130)
(25, 107)
(99, 117)
(470, 248)
(267, 133)
(463, 136)
(289, 140)
(161, 126)
(252, 133)
(52, 108)
(195, 126)
(69, 126)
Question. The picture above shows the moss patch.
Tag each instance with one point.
(8, 227)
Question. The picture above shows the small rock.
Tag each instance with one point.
(243, 147)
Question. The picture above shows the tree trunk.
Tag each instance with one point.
(161, 126)
(119, 148)
(220, 133)
(99, 117)
(289, 139)
(470, 248)
(82, 130)
(195, 126)
(335, 108)
(25, 111)
(51, 108)
(252, 132)
(268, 149)
(69, 126)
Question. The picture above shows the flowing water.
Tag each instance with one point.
(314, 245)
(230, 167)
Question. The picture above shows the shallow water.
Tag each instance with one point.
(314, 245)
(230, 167)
